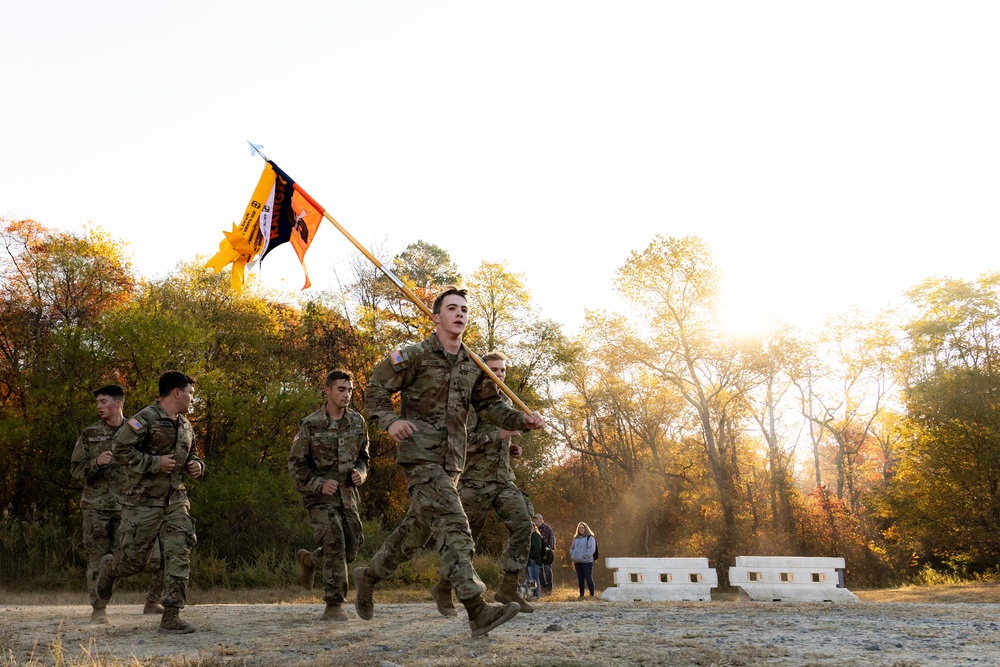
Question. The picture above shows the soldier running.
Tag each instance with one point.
(438, 383)
(100, 503)
(328, 462)
(156, 447)
(487, 483)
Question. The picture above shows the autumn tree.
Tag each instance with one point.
(946, 492)
(673, 286)
(54, 289)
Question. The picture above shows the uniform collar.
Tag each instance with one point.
(436, 346)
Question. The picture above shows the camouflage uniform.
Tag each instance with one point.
(488, 483)
(436, 394)
(326, 449)
(155, 504)
(101, 506)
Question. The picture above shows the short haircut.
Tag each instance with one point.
(495, 356)
(338, 374)
(114, 391)
(447, 291)
(174, 380)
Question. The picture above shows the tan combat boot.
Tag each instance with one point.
(364, 584)
(105, 582)
(99, 615)
(508, 593)
(171, 622)
(441, 592)
(484, 617)
(307, 565)
(333, 612)
(152, 607)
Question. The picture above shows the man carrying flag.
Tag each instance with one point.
(438, 383)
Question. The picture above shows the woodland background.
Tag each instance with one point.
(875, 438)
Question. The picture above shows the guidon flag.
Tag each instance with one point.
(279, 212)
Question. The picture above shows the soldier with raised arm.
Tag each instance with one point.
(156, 448)
(100, 504)
(438, 383)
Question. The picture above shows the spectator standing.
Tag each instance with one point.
(535, 562)
(582, 553)
(549, 536)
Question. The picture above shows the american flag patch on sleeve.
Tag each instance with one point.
(135, 424)
(396, 356)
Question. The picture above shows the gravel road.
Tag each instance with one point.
(737, 633)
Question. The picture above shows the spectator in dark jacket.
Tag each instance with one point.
(549, 536)
(535, 562)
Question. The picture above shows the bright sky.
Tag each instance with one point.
(831, 153)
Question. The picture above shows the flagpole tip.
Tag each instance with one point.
(255, 149)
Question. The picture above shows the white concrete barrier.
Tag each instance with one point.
(656, 579)
(791, 579)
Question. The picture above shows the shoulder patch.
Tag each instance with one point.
(295, 439)
(135, 423)
(399, 359)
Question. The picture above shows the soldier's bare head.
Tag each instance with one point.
(446, 291)
(174, 380)
(110, 398)
(338, 374)
(497, 362)
(176, 392)
(338, 389)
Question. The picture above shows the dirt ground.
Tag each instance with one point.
(956, 628)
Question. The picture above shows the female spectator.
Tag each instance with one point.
(535, 562)
(582, 553)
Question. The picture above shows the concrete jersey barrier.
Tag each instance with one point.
(656, 579)
(791, 579)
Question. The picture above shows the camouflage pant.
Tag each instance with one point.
(435, 511)
(338, 533)
(137, 535)
(99, 532)
(513, 509)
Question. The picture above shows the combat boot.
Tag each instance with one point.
(508, 593)
(99, 615)
(484, 617)
(105, 582)
(307, 565)
(152, 607)
(441, 592)
(333, 612)
(171, 622)
(364, 584)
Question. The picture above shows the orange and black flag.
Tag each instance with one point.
(279, 212)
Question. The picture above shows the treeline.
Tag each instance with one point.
(875, 439)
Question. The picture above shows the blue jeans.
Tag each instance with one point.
(585, 573)
(547, 577)
(534, 574)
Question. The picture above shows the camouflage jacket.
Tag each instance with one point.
(488, 457)
(325, 449)
(436, 395)
(140, 444)
(101, 484)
